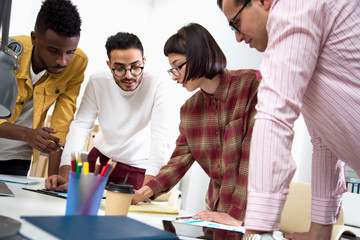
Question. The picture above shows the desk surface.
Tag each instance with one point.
(26, 203)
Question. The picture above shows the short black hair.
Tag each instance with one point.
(204, 57)
(123, 41)
(219, 3)
(61, 16)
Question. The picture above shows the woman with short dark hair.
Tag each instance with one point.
(216, 125)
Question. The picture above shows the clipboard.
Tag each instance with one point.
(48, 192)
(53, 193)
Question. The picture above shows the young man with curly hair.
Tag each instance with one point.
(51, 71)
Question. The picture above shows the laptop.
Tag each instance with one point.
(5, 191)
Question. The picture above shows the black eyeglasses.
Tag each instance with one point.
(231, 23)
(120, 71)
(176, 70)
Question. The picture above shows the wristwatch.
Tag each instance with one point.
(265, 236)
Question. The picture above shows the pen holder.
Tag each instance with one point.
(84, 194)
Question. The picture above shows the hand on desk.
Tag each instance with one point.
(56, 183)
(222, 218)
(142, 194)
(59, 182)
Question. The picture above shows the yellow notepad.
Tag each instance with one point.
(152, 208)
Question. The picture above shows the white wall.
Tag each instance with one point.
(154, 21)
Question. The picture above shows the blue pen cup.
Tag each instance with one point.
(84, 194)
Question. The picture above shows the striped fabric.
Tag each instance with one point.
(312, 66)
(215, 131)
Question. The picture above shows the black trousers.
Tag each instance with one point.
(15, 167)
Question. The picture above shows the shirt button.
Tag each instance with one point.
(57, 91)
(217, 132)
(22, 102)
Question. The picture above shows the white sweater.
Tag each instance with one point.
(134, 125)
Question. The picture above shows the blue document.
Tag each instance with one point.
(97, 227)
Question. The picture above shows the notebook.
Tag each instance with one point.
(98, 227)
(150, 208)
(18, 179)
(153, 208)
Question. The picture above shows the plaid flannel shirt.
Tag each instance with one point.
(215, 131)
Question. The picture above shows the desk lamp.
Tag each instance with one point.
(9, 53)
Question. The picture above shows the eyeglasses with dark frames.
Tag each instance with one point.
(176, 70)
(120, 71)
(231, 23)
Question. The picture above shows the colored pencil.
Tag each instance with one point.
(79, 167)
(113, 167)
(97, 166)
(86, 168)
(73, 165)
(106, 167)
(75, 161)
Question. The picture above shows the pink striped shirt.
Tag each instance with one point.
(312, 66)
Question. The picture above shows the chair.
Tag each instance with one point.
(90, 141)
(296, 216)
(40, 168)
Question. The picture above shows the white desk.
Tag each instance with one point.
(26, 203)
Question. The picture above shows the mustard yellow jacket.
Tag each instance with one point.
(63, 88)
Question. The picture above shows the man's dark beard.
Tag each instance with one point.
(127, 80)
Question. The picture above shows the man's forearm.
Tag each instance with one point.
(64, 171)
(54, 162)
(14, 132)
(147, 178)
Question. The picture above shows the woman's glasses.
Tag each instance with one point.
(176, 70)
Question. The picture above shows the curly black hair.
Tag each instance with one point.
(61, 16)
